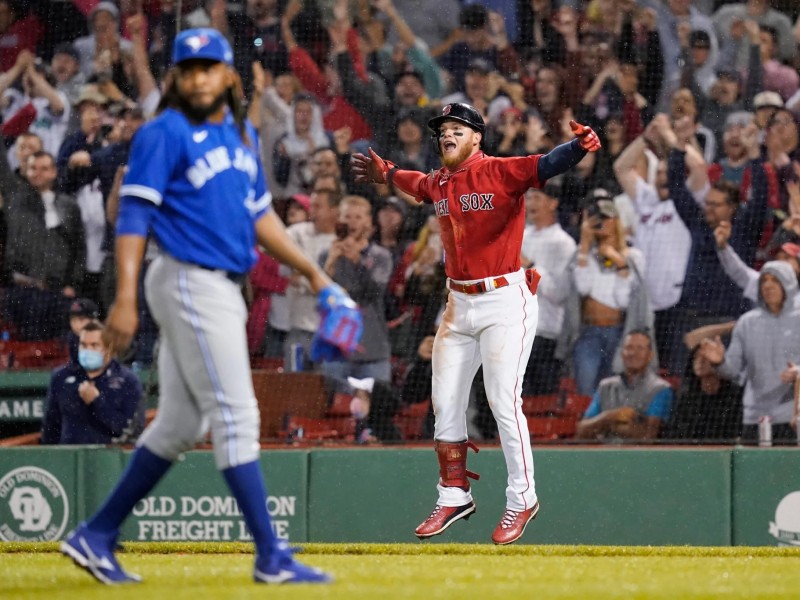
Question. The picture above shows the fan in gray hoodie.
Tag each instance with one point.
(745, 276)
(765, 345)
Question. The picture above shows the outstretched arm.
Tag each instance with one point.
(566, 156)
(373, 169)
(740, 273)
(404, 32)
(140, 61)
(625, 167)
(560, 159)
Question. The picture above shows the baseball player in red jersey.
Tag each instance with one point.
(491, 312)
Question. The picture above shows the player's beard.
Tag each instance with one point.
(453, 161)
(199, 114)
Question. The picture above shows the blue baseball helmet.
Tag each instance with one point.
(202, 42)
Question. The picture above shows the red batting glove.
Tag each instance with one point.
(588, 138)
(369, 169)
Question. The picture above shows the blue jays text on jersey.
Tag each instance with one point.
(208, 186)
(217, 161)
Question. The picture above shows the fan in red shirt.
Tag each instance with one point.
(19, 30)
(491, 312)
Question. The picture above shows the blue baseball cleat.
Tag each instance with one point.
(95, 552)
(281, 567)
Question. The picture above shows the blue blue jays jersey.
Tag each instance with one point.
(208, 185)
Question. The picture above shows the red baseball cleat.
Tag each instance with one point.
(442, 517)
(512, 525)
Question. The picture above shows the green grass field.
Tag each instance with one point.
(197, 571)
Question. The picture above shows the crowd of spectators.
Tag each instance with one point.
(663, 232)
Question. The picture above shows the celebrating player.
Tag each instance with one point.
(195, 182)
(491, 313)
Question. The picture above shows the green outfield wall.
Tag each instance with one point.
(588, 496)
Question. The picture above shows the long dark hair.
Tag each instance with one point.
(234, 98)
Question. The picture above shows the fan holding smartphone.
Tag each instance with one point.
(363, 269)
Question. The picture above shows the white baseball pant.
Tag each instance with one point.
(496, 329)
(203, 365)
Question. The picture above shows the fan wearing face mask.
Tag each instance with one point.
(93, 401)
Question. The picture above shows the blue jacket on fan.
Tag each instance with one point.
(114, 417)
(707, 288)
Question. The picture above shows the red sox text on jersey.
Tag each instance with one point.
(468, 202)
(480, 207)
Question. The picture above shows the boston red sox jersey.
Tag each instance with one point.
(480, 207)
(665, 242)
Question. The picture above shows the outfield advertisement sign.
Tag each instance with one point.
(205, 518)
(193, 503)
(33, 506)
(786, 526)
(38, 493)
(22, 409)
(766, 497)
(742, 496)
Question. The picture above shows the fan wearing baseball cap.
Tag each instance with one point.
(298, 209)
(766, 104)
(103, 23)
(81, 311)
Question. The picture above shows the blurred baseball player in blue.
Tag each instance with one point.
(196, 184)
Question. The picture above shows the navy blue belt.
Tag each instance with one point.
(237, 278)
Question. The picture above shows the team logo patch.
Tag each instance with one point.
(33, 506)
(196, 42)
(786, 527)
(446, 110)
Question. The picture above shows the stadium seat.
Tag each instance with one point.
(552, 428)
(576, 404)
(311, 429)
(267, 364)
(568, 385)
(409, 419)
(345, 427)
(554, 417)
(541, 405)
(45, 354)
(340, 405)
